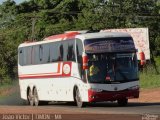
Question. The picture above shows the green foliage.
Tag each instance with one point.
(56, 16)
(149, 81)
(157, 60)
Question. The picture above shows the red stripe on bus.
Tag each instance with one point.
(48, 75)
(39, 76)
(59, 67)
(43, 76)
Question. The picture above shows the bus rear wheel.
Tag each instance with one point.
(30, 98)
(78, 99)
(123, 102)
(35, 96)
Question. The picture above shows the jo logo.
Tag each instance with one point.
(66, 69)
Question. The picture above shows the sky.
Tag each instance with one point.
(17, 1)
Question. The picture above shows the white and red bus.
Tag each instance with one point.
(58, 68)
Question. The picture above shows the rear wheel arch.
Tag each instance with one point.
(28, 89)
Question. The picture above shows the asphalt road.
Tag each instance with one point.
(99, 111)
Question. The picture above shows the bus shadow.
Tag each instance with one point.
(130, 104)
(105, 104)
(143, 104)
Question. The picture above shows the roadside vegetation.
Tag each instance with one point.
(150, 76)
(8, 89)
(36, 19)
(148, 81)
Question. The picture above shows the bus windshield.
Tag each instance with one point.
(112, 67)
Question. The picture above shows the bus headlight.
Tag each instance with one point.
(96, 90)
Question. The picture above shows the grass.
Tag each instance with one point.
(148, 81)
(7, 89)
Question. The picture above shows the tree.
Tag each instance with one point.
(56, 16)
(8, 11)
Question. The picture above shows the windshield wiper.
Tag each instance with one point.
(113, 81)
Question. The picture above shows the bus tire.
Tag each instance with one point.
(30, 97)
(35, 96)
(37, 102)
(122, 102)
(78, 99)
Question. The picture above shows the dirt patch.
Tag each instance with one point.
(148, 96)
(7, 91)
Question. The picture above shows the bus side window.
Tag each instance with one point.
(21, 56)
(54, 52)
(40, 53)
(46, 54)
(33, 62)
(71, 51)
(49, 57)
(36, 55)
(79, 51)
(64, 49)
(29, 55)
(60, 58)
(25, 56)
(26, 60)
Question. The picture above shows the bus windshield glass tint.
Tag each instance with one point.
(112, 67)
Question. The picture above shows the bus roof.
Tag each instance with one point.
(58, 37)
(63, 36)
(102, 35)
(75, 34)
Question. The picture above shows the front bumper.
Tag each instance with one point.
(94, 96)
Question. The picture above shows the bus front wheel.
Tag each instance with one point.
(122, 102)
(78, 99)
(37, 102)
